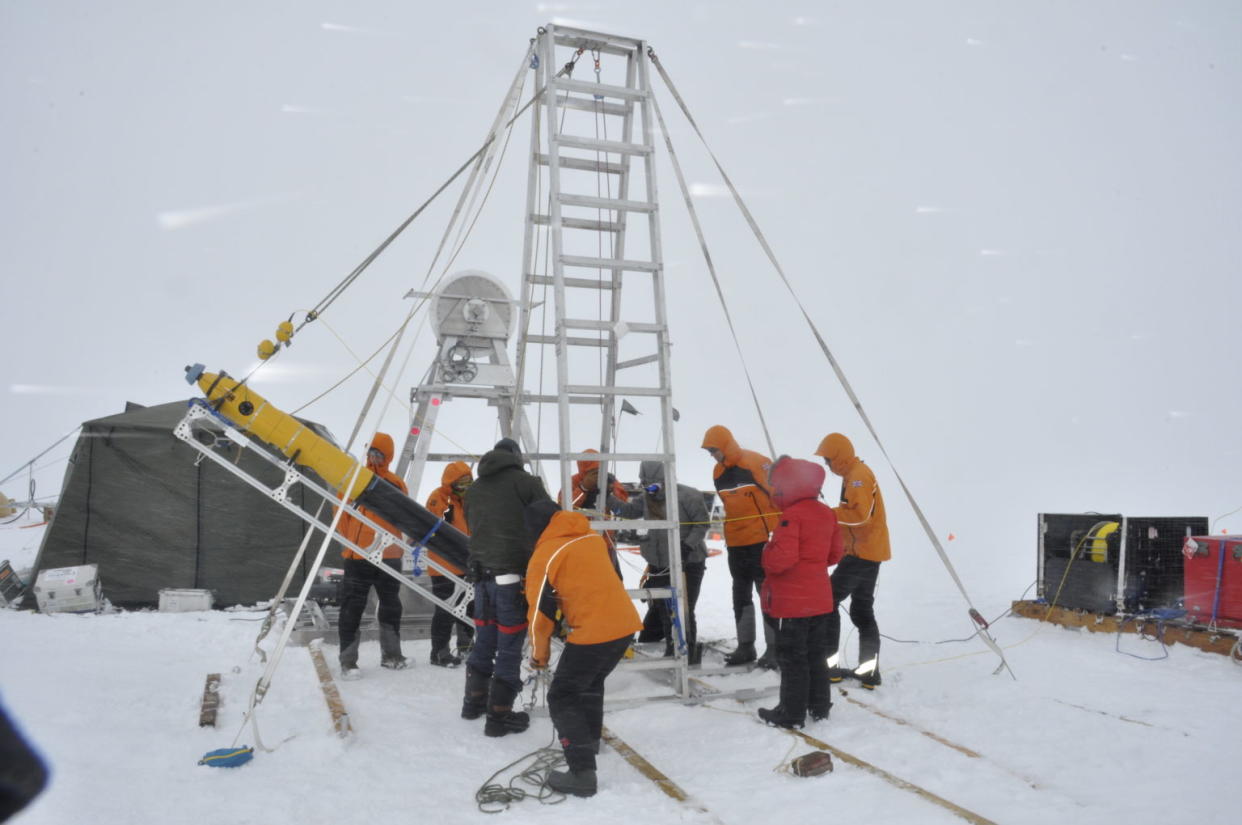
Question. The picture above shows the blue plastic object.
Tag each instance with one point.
(228, 757)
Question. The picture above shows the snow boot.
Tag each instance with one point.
(768, 660)
(870, 681)
(395, 663)
(501, 718)
(443, 657)
(744, 654)
(474, 704)
(695, 655)
(777, 718)
(350, 673)
(839, 674)
(818, 715)
(575, 783)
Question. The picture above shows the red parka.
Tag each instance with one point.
(804, 545)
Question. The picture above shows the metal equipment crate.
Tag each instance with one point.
(1109, 563)
(1213, 576)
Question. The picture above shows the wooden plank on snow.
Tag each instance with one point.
(336, 705)
(211, 701)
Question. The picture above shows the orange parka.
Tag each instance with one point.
(861, 511)
(446, 504)
(571, 570)
(355, 530)
(742, 484)
(590, 500)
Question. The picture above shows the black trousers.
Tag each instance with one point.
(854, 579)
(658, 621)
(746, 568)
(576, 698)
(442, 621)
(360, 577)
(802, 655)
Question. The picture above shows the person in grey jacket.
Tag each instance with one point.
(500, 548)
(692, 513)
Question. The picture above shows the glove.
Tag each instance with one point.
(535, 664)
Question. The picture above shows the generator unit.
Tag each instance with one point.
(11, 586)
(1110, 563)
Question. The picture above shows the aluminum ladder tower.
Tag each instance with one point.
(592, 223)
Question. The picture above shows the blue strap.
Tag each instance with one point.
(422, 543)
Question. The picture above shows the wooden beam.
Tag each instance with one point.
(336, 706)
(211, 701)
(1212, 641)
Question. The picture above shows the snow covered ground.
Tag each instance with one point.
(1083, 735)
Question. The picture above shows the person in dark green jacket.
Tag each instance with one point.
(500, 548)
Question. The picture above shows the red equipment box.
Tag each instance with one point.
(1213, 569)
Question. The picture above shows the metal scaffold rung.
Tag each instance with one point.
(616, 147)
(609, 263)
(591, 104)
(586, 389)
(638, 362)
(586, 87)
(586, 165)
(579, 223)
(576, 283)
(573, 341)
(608, 326)
(614, 204)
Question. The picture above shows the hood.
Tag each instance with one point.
(494, 461)
(839, 452)
(586, 466)
(453, 472)
(720, 438)
(383, 443)
(566, 524)
(651, 472)
(508, 444)
(795, 479)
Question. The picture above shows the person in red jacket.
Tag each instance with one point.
(361, 575)
(796, 595)
(445, 501)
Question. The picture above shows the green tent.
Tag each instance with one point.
(135, 502)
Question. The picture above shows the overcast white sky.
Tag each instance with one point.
(1016, 224)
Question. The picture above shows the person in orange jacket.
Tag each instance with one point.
(361, 575)
(584, 485)
(861, 515)
(741, 478)
(446, 502)
(571, 572)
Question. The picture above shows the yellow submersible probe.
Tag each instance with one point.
(256, 416)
